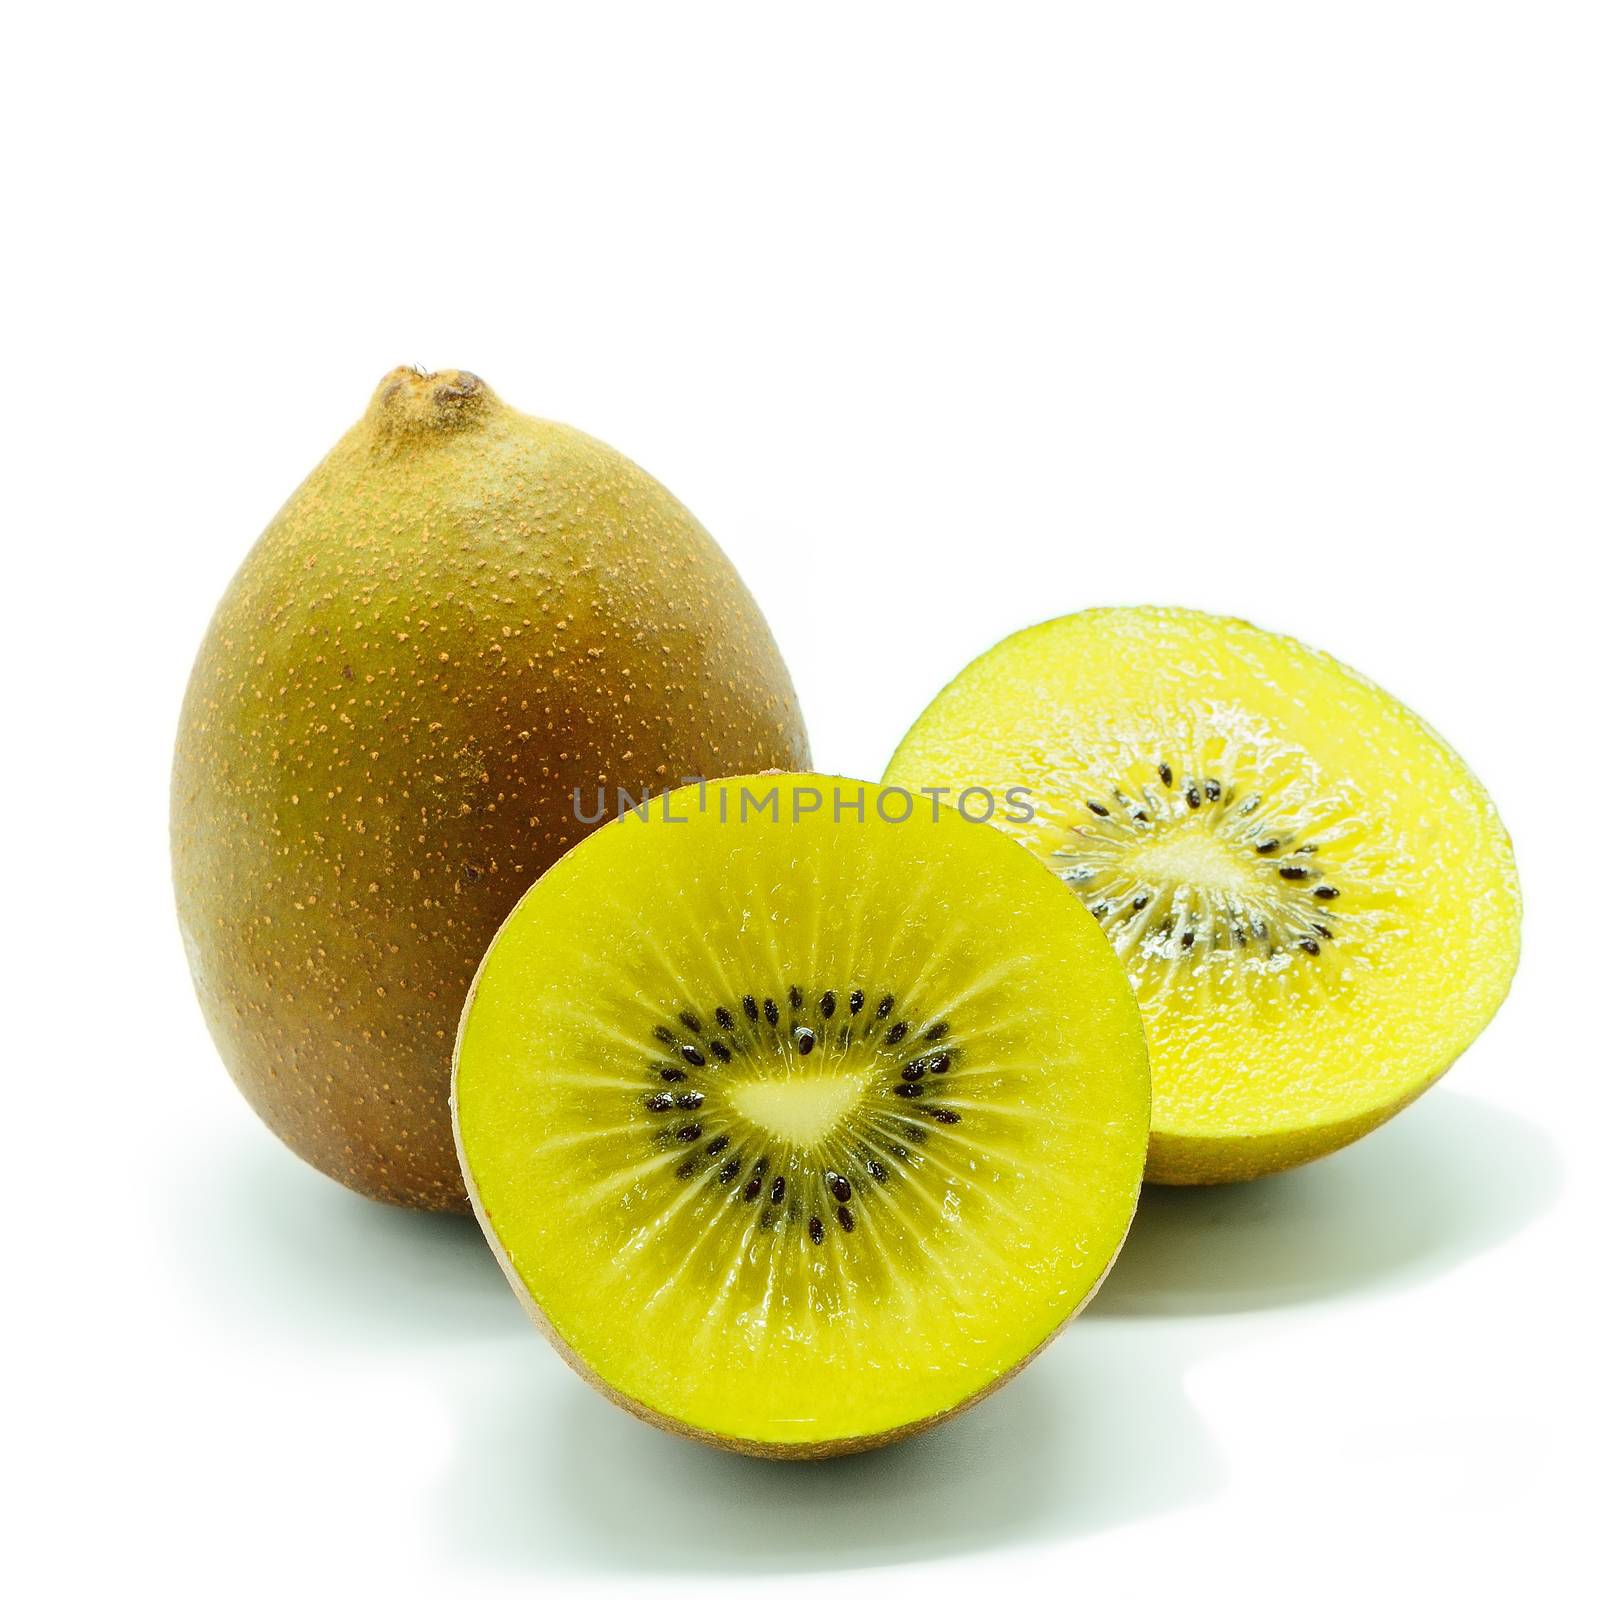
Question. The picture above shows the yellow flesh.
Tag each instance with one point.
(671, 1290)
(1263, 1053)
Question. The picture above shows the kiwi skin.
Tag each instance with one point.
(1182, 1161)
(820, 1450)
(463, 615)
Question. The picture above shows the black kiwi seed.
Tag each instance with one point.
(815, 1230)
(796, 999)
(689, 1132)
(827, 1005)
(1213, 789)
(724, 1017)
(752, 1190)
(913, 1070)
(885, 1006)
(1192, 795)
(778, 1186)
(1325, 891)
(1166, 774)
(840, 1185)
(769, 1009)
(658, 1102)
(687, 1167)
(750, 1009)
(1100, 910)
(940, 1062)
(937, 1032)
(730, 1171)
(689, 1099)
(1266, 847)
(846, 1221)
(721, 1051)
(673, 1074)
(897, 1033)
(1098, 809)
(939, 1114)
(691, 1054)
(1310, 946)
(717, 1145)
(1187, 941)
(878, 1171)
(1294, 874)
(907, 1091)
(690, 1021)
(857, 1000)
(1140, 901)
(805, 1041)
(666, 1036)
(1316, 927)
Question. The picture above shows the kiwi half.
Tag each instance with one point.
(1315, 899)
(799, 1118)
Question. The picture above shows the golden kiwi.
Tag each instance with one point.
(464, 618)
(801, 1114)
(1315, 899)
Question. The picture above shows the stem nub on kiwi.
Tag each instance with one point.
(800, 1123)
(1314, 898)
(460, 619)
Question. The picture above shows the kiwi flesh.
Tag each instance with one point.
(797, 1124)
(462, 619)
(1315, 899)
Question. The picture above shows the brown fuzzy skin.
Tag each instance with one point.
(463, 615)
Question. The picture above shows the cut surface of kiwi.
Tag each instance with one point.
(800, 1118)
(1315, 899)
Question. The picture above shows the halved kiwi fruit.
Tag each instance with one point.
(799, 1117)
(1314, 897)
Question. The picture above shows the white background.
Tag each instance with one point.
(943, 320)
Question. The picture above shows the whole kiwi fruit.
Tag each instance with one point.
(464, 618)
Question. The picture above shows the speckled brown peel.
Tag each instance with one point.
(463, 615)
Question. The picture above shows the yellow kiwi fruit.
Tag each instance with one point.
(801, 1115)
(464, 632)
(1314, 897)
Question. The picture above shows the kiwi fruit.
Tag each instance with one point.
(1315, 899)
(461, 621)
(798, 1116)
